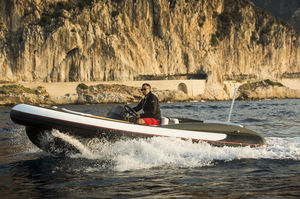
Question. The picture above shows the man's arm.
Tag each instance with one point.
(139, 106)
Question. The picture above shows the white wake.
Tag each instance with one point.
(156, 152)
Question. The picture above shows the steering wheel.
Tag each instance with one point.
(130, 111)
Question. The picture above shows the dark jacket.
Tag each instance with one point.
(150, 106)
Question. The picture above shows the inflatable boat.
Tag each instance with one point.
(39, 120)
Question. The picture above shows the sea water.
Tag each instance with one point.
(161, 167)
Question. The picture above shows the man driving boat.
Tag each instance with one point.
(150, 105)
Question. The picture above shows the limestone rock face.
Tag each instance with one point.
(270, 92)
(108, 94)
(115, 93)
(76, 40)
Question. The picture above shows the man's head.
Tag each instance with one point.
(146, 88)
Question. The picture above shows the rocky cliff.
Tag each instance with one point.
(86, 40)
(287, 10)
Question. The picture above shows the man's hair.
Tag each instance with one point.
(146, 84)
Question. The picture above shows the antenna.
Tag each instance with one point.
(232, 103)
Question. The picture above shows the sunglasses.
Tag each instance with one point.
(143, 89)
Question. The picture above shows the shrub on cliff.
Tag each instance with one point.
(19, 89)
(82, 86)
(261, 90)
(271, 83)
(16, 94)
(255, 85)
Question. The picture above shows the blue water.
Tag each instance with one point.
(161, 167)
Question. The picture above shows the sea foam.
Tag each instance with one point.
(171, 152)
(134, 154)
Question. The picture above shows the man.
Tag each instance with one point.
(150, 106)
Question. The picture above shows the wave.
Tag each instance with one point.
(171, 152)
(155, 152)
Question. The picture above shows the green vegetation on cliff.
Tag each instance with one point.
(254, 85)
(82, 86)
(18, 94)
(19, 89)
